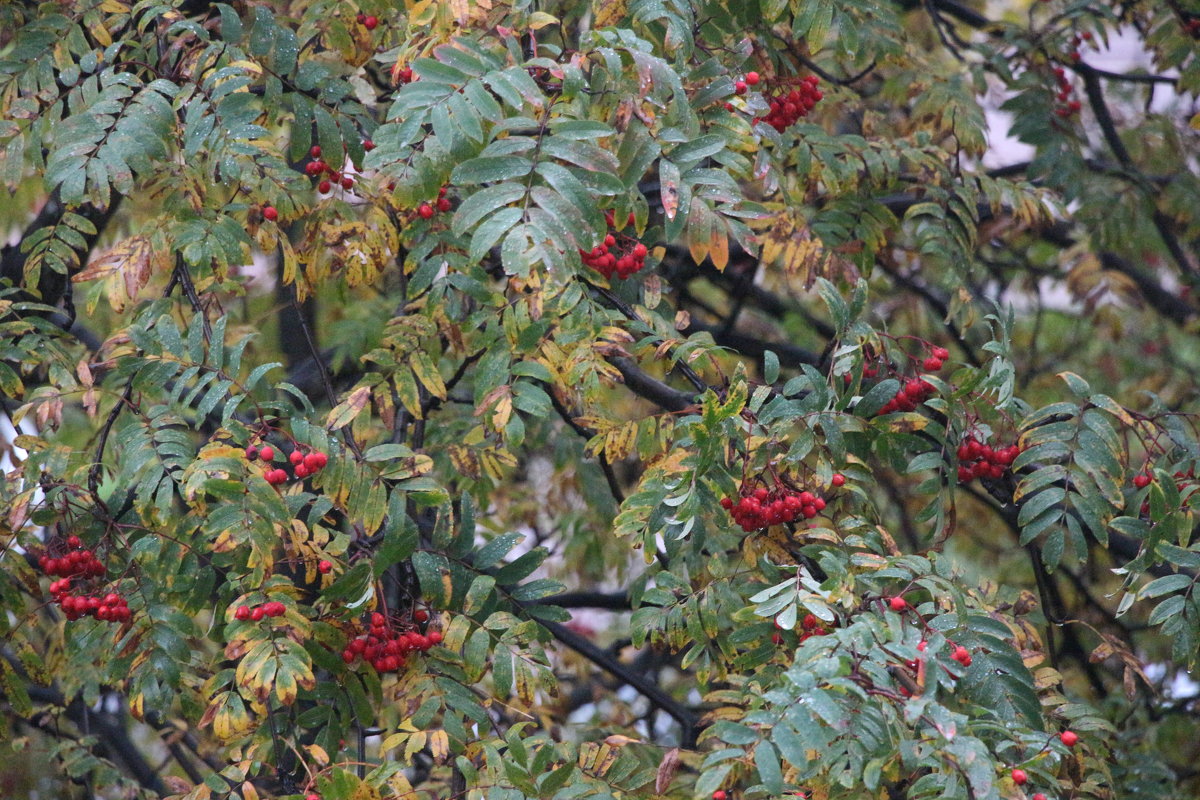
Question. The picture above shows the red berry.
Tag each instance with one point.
(776, 638)
(371, 22)
(752, 78)
(251, 453)
(301, 471)
(1039, 796)
(242, 613)
(740, 87)
(932, 364)
(295, 457)
(1019, 777)
(324, 186)
(312, 796)
(324, 567)
(898, 604)
(921, 645)
(73, 541)
(267, 453)
(368, 145)
(838, 479)
(322, 460)
(425, 211)
(420, 615)
(315, 151)
(435, 637)
(1069, 738)
(1141, 481)
(443, 204)
(940, 352)
(962, 656)
(311, 461)
(719, 794)
(258, 613)
(347, 182)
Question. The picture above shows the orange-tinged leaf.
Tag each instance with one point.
(344, 412)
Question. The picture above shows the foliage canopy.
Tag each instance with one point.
(500, 399)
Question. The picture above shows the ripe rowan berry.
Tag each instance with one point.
(1141, 481)
(315, 151)
(324, 186)
(425, 211)
(752, 78)
(719, 794)
(370, 22)
(324, 567)
(242, 613)
(270, 214)
(838, 479)
(257, 614)
(267, 453)
(898, 603)
(739, 87)
(1019, 777)
(368, 145)
(1069, 738)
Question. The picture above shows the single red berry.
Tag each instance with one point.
(1069, 738)
(1141, 481)
(368, 145)
(322, 460)
(932, 364)
(719, 794)
(425, 211)
(267, 453)
(435, 637)
(242, 613)
(312, 796)
(257, 614)
(443, 204)
(962, 655)
(73, 541)
(295, 457)
(301, 471)
(898, 604)
(1019, 777)
(420, 615)
(838, 479)
(940, 352)
(776, 638)
(324, 186)
(921, 645)
(325, 567)
(1039, 796)
(310, 462)
(740, 87)
(371, 22)
(347, 182)
(752, 78)
(315, 151)
(639, 250)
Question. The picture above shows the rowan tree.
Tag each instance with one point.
(499, 399)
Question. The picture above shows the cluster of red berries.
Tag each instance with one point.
(442, 204)
(790, 101)
(368, 21)
(810, 626)
(318, 167)
(618, 254)
(273, 608)
(77, 563)
(109, 608)
(914, 392)
(979, 460)
(384, 647)
(1067, 104)
(304, 464)
(81, 565)
(760, 508)
(1076, 42)
(751, 79)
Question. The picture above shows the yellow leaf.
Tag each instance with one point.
(416, 744)
(439, 746)
(344, 412)
(607, 12)
(540, 19)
